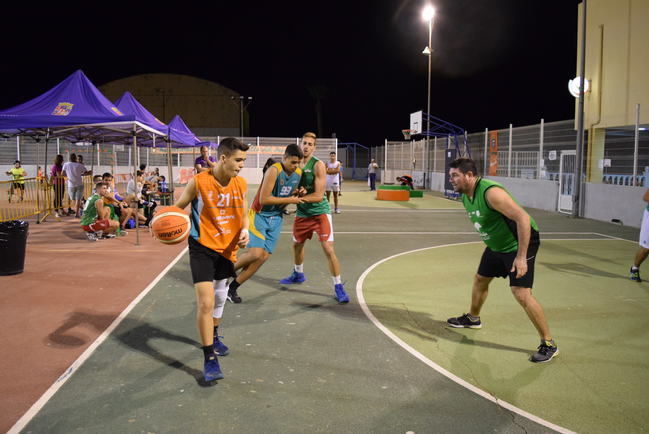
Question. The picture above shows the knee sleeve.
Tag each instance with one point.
(220, 295)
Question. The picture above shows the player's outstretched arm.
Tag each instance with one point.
(188, 195)
(502, 202)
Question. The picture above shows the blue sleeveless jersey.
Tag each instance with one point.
(285, 185)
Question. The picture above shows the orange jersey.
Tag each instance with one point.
(217, 213)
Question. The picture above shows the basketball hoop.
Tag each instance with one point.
(406, 134)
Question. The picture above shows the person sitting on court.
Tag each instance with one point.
(119, 208)
(95, 220)
(406, 180)
(134, 196)
(163, 187)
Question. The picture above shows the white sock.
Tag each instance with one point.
(635, 268)
(299, 268)
(336, 280)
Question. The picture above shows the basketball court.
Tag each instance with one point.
(300, 362)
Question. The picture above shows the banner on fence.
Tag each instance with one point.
(493, 153)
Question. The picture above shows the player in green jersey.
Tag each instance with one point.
(512, 240)
(314, 216)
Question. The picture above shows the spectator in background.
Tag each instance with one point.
(371, 173)
(58, 182)
(18, 175)
(74, 171)
(406, 180)
(643, 251)
(134, 196)
(162, 185)
(96, 217)
(204, 161)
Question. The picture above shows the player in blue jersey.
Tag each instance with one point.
(276, 191)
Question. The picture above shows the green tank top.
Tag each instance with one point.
(90, 211)
(308, 182)
(497, 231)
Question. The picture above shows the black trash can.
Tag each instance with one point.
(13, 240)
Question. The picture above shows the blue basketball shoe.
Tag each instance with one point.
(295, 277)
(212, 370)
(341, 295)
(219, 347)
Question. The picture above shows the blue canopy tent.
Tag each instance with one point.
(74, 110)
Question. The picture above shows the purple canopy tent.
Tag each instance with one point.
(75, 110)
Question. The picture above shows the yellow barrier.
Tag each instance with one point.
(36, 196)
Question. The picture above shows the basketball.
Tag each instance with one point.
(170, 225)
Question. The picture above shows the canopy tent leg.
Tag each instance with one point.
(170, 169)
(134, 158)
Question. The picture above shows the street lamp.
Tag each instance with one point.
(244, 102)
(428, 14)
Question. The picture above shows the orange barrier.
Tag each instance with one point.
(396, 195)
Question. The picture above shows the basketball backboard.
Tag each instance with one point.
(416, 122)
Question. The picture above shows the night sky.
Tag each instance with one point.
(494, 61)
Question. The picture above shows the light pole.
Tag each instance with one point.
(428, 14)
(242, 107)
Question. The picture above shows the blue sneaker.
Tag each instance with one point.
(295, 277)
(341, 295)
(220, 348)
(212, 370)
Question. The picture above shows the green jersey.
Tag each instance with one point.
(497, 231)
(308, 182)
(90, 211)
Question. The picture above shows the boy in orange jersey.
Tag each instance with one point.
(219, 227)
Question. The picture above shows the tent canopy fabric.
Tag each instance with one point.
(180, 133)
(128, 105)
(76, 110)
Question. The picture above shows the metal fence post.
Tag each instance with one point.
(258, 152)
(435, 155)
(635, 144)
(58, 146)
(17, 147)
(509, 159)
(541, 138)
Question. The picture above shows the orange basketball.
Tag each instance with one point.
(170, 225)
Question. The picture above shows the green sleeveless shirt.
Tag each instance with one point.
(497, 231)
(308, 182)
(90, 211)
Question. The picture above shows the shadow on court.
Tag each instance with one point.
(131, 332)
(422, 325)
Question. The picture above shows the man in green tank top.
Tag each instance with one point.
(314, 216)
(96, 216)
(512, 239)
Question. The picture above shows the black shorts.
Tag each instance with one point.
(496, 264)
(18, 185)
(206, 264)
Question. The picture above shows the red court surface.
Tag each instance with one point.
(67, 280)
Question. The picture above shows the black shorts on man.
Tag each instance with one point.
(497, 264)
(208, 265)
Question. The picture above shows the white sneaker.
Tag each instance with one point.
(91, 236)
(337, 211)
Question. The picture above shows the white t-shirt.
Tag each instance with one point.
(74, 171)
(333, 179)
(131, 189)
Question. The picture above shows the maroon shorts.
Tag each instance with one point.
(304, 227)
(98, 225)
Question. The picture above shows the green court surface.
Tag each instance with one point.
(368, 199)
(301, 363)
(598, 317)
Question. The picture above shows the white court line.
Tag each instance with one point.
(38, 405)
(435, 366)
(616, 238)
